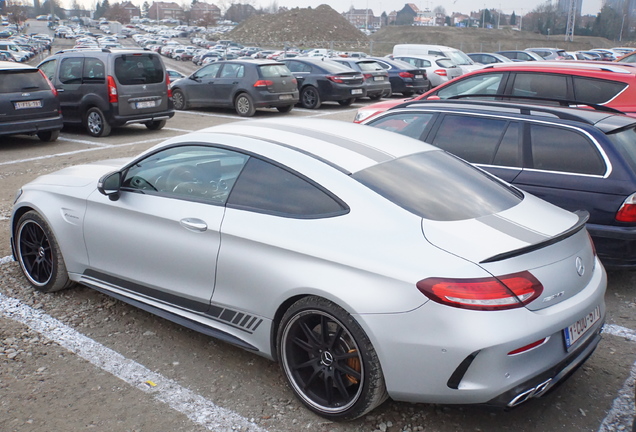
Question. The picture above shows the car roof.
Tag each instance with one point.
(348, 147)
(565, 66)
(603, 120)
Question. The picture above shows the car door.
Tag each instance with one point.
(69, 87)
(228, 80)
(200, 85)
(299, 70)
(161, 237)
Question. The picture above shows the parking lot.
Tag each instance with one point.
(78, 360)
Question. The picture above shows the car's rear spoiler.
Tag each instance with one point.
(578, 226)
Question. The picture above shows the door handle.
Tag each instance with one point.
(193, 224)
(60, 90)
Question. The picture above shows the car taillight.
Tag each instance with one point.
(168, 85)
(505, 292)
(112, 90)
(406, 75)
(627, 212)
(441, 72)
(367, 76)
(335, 79)
(263, 83)
(53, 89)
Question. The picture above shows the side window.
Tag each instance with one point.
(595, 90)
(94, 70)
(409, 124)
(266, 188)
(540, 85)
(474, 139)
(208, 71)
(71, 70)
(231, 70)
(295, 66)
(485, 83)
(197, 173)
(509, 152)
(564, 150)
(49, 69)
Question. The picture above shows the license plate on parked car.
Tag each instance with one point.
(285, 97)
(575, 331)
(145, 104)
(378, 78)
(356, 91)
(419, 76)
(28, 104)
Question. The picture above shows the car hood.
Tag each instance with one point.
(81, 175)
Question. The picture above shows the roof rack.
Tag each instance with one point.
(568, 64)
(82, 50)
(561, 102)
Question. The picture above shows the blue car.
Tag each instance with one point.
(577, 159)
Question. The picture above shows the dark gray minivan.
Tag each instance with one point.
(105, 88)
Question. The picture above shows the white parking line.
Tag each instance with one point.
(197, 408)
(78, 141)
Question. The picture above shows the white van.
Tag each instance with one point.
(458, 57)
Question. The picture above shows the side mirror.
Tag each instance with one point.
(109, 185)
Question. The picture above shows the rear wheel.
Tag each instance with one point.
(155, 125)
(309, 98)
(179, 100)
(346, 102)
(244, 105)
(375, 97)
(285, 109)
(39, 254)
(329, 361)
(96, 123)
(49, 136)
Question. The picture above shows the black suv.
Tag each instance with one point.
(104, 88)
(28, 102)
(578, 159)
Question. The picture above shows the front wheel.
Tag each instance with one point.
(244, 105)
(329, 361)
(346, 102)
(39, 254)
(96, 123)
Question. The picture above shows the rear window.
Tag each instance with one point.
(19, 81)
(369, 66)
(274, 71)
(138, 69)
(595, 90)
(445, 63)
(625, 142)
(437, 186)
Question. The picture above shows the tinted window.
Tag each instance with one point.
(509, 151)
(540, 85)
(198, 173)
(20, 81)
(94, 70)
(565, 150)
(49, 69)
(409, 124)
(208, 71)
(273, 71)
(487, 83)
(595, 90)
(71, 70)
(369, 66)
(438, 186)
(475, 139)
(295, 66)
(138, 69)
(232, 70)
(625, 142)
(267, 188)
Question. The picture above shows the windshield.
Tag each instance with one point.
(438, 186)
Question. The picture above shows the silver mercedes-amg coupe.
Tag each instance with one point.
(368, 264)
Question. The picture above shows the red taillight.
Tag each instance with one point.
(441, 72)
(367, 76)
(627, 212)
(112, 90)
(263, 83)
(53, 89)
(529, 346)
(406, 75)
(506, 292)
(335, 79)
(168, 85)
(294, 81)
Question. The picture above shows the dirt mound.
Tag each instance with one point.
(321, 27)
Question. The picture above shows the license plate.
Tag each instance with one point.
(419, 76)
(285, 97)
(28, 104)
(378, 78)
(575, 331)
(356, 91)
(145, 104)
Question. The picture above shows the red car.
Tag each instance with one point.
(601, 83)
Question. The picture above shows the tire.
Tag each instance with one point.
(96, 123)
(408, 93)
(178, 100)
(49, 136)
(39, 254)
(346, 102)
(376, 97)
(156, 125)
(244, 105)
(338, 377)
(285, 109)
(309, 98)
